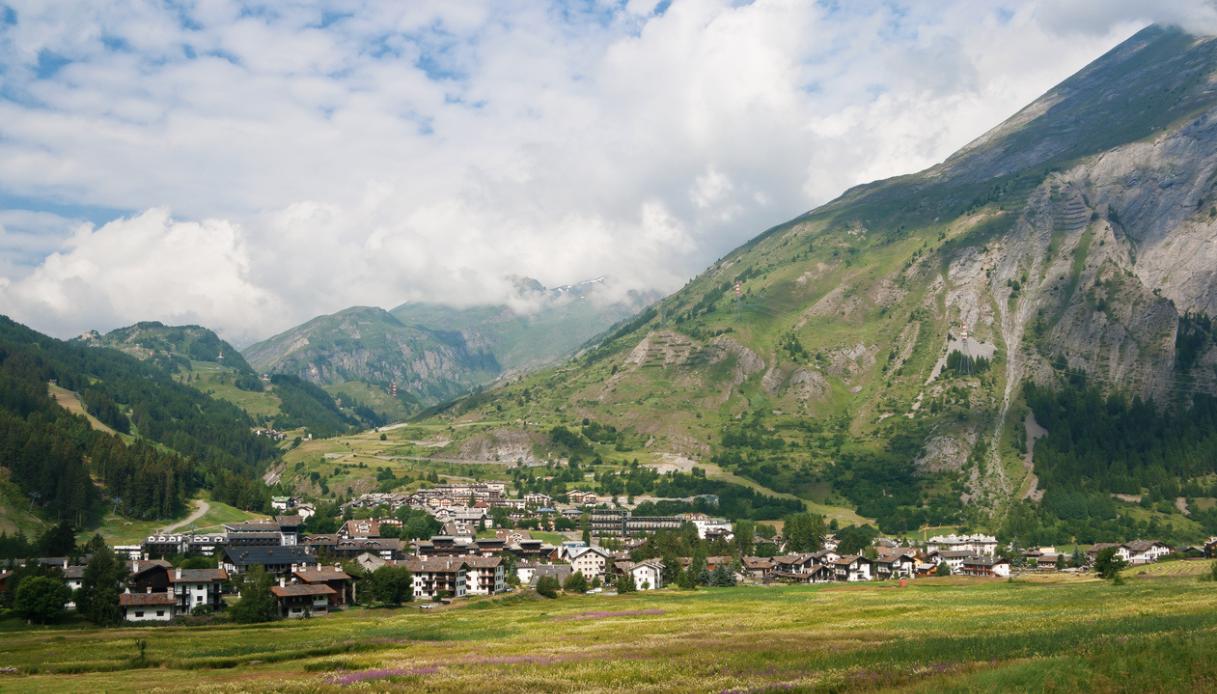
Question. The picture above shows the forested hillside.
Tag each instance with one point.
(180, 440)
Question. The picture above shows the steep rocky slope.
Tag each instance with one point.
(882, 341)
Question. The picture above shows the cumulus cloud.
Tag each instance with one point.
(351, 152)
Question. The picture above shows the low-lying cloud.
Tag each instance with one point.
(290, 159)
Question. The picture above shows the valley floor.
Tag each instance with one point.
(951, 634)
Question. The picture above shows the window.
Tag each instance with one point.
(139, 613)
(198, 598)
(160, 613)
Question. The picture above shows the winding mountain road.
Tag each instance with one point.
(201, 508)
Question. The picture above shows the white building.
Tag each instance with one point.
(647, 575)
(485, 575)
(711, 527)
(590, 561)
(980, 545)
(148, 607)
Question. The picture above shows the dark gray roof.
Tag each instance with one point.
(264, 556)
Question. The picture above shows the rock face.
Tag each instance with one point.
(371, 345)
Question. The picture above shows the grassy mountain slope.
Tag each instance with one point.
(874, 351)
(371, 346)
(197, 357)
(171, 347)
(148, 444)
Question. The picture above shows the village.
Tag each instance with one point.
(480, 550)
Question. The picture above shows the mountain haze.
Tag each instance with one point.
(876, 350)
(433, 352)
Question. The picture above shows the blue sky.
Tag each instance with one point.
(249, 165)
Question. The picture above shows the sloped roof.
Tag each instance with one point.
(146, 599)
(198, 576)
(302, 589)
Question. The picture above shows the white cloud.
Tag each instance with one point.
(372, 153)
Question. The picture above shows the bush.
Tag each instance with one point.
(943, 570)
(390, 585)
(40, 599)
(625, 584)
(257, 603)
(1108, 564)
(575, 583)
(547, 586)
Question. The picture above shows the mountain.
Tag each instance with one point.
(197, 357)
(171, 347)
(146, 445)
(370, 346)
(902, 349)
(432, 352)
(557, 323)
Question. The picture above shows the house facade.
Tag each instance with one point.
(148, 606)
(485, 575)
(195, 588)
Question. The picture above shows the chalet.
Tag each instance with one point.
(341, 584)
(195, 588)
(952, 558)
(1210, 548)
(1146, 551)
(985, 566)
(530, 550)
(149, 574)
(485, 575)
(793, 567)
(757, 568)
(148, 606)
(445, 546)
(73, 578)
(386, 547)
(302, 599)
(647, 575)
(1096, 549)
(852, 568)
(895, 562)
(490, 546)
(590, 561)
(1045, 560)
(277, 560)
(436, 577)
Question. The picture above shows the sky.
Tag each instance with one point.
(247, 165)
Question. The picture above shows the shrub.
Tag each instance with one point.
(547, 586)
(40, 599)
(575, 583)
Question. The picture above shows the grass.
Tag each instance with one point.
(120, 530)
(953, 634)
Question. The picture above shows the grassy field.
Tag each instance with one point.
(934, 635)
(120, 530)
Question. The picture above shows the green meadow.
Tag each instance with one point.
(1063, 634)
